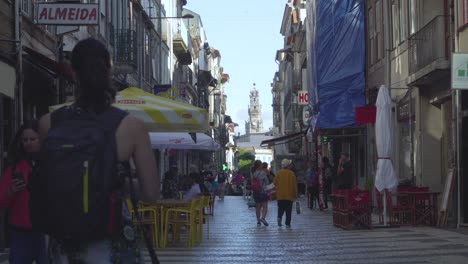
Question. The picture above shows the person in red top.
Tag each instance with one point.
(26, 245)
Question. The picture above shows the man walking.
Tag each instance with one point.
(286, 191)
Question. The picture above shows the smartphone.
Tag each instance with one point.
(18, 175)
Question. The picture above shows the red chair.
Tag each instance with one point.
(402, 212)
(352, 209)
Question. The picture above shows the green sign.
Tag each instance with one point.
(225, 167)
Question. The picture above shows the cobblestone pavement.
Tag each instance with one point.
(235, 238)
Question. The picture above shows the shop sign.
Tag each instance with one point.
(460, 71)
(302, 98)
(49, 13)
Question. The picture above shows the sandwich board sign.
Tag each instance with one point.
(67, 13)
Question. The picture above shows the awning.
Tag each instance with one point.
(60, 68)
(180, 140)
(283, 139)
(159, 114)
(8, 77)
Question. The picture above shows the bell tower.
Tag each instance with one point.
(255, 122)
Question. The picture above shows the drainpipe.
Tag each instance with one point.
(19, 68)
(456, 111)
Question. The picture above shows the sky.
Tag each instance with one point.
(247, 34)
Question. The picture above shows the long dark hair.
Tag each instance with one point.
(16, 150)
(92, 64)
(257, 164)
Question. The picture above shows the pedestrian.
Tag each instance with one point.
(327, 179)
(221, 184)
(26, 244)
(170, 186)
(300, 179)
(286, 191)
(260, 196)
(99, 236)
(267, 172)
(194, 188)
(312, 185)
(344, 173)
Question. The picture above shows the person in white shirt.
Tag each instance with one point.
(195, 188)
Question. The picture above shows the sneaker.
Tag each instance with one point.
(264, 221)
(259, 224)
(288, 226)
(279, 222)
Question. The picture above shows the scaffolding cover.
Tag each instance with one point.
(336, 57)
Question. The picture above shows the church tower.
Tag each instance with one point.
(255, 122)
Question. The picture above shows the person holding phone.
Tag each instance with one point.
(26, 245)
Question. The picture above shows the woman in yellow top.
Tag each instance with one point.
(286, 191)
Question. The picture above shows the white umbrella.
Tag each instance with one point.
(385, 175)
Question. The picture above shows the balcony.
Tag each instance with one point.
(428, 52)
(125, 50)
(179, 44)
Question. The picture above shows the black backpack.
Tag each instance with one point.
(76, 192)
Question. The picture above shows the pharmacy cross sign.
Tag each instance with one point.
(62, 13)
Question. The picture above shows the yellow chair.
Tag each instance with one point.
(148, 216)
(184, 216)
(202, 217)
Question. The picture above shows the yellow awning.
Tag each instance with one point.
(160, 114)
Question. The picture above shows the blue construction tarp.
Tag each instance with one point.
(336, 57)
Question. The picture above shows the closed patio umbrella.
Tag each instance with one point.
(385, 175)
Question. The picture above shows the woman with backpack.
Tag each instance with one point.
(259, 181)
(26, 245)
(128, 139)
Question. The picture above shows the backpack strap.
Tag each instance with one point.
(112, 117)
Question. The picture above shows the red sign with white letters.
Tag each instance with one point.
(302, 97)
(67, 14)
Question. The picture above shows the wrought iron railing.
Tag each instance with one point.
(428, 44)
(125, 51)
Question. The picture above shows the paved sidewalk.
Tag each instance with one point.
(235, 238)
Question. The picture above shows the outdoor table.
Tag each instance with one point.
(425, 206)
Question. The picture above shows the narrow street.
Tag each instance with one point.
(235, 238)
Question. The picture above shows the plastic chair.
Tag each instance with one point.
(149, 217)
(202, 217)
(185, 216)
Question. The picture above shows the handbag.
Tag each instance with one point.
(298, 207)
(271, 191)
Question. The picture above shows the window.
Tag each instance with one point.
(402, 20)
(26, 6)
(378, 29)
(395, 28)
(464, 13)
(371, 33)
(413, 16)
